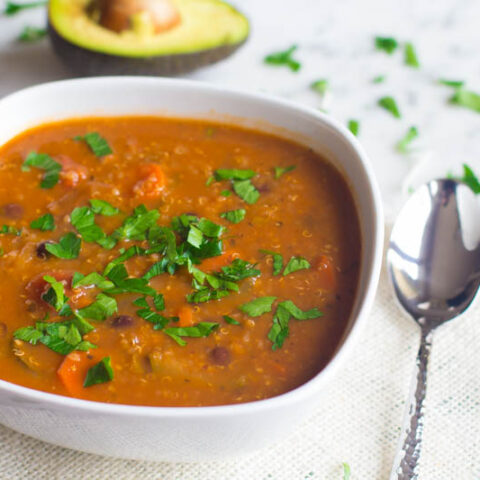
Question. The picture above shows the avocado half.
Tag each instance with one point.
(209, 31)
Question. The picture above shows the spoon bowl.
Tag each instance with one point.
(434, 265)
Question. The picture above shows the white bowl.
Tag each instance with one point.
(193, 433)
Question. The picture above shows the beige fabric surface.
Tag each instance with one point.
(357, 419)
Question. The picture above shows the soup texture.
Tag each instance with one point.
(170, 262)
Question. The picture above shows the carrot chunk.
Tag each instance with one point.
(72, 372)
(152, 181)
(185, 316)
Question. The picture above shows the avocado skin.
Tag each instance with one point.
(84, 62)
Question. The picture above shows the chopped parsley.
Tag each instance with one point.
(279, 171)
(136, 225)
(387, 44)
(346, 471)
(103, 307)
(67, 248)
(225, 193)
(11, 8)
(230, 320)
(258, 306)
(467, 99)
(403, 145)
(470, 179)
(233, 174)
(451, 83)
(32, 34)
(411, 58)
(83, 219)
(55, 295)
(102, 372)
(379, 79)
(277, 261)
(320, 86)
(246, 191)
(234, 216)
(389, 104)
(284, 58)
(354, 126)
(44, 223)
(44, 162)
(147, 313)
(101, 207)
(92, 279)
(280, 328)
(9, 230)
(61, 337)
(295, 264)
(98, 145)
(202, 329)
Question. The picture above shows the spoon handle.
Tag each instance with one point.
(406, 460)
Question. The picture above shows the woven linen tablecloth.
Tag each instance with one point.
(356, 421)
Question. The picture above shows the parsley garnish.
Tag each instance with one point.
(55, 295)
(202, 329)
(389, 104)
(467, 99)
(98, 145)
(12, 8)
(230, 320)
(379, 79)
(246, 191)
(280, 329)
(83, 219)
(44, 162)
(279, 171)
(451, 83)
(234, 216)
(44, 223)
(101, 207)
(320, 86)
(94, 278)
(403, 144)
(411, 58)
(346, 471)
(258, 306)
(67, 248)
(136, 225)
(233, 174)
(103, 307)
(32, 34)
(470, 179)
(102, 372)
(284, 58)
(387, 44)
(225, 193)
(277, 261)
(295, 264)
(61, 337)
(9, 230)
(354, 126)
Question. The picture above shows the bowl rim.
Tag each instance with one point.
(304, 390)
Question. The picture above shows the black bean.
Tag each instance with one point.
(265, 188)
(42, 251)
(220, 356)
(12, 210)
(122, 321)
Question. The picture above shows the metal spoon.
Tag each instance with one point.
(434, 264)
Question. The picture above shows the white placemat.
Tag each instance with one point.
(357, 419)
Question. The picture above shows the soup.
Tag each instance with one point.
(170, 262)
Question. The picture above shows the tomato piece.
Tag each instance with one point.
(185, 316)
(152, 181)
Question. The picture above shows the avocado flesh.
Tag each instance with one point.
(205, 25)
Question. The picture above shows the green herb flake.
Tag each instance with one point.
(11, 8)
(389, 104)
(246, 191)
(470, 179)
(346, 471)
(354, 126)
(230, 320)
(101, 207)
(284, 58)
(202, 329)
(136, 225)
(451, 83)
(209, 181)
(225, 193)
(98, 145)
(258, 306)
(233, 174)
(387, 44)
(234, 216)
(67, 248)
(10, 230)
(320, 86)
(295, 264)
(411, 58)
(277, 261)
(55, 295)
(31, 34)
(403, 145)
(279, 171)
(44, 162)
(103, 307)
(102, 372)
(467, 99)
(379, 79)
(44, 223)
(92, 279)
